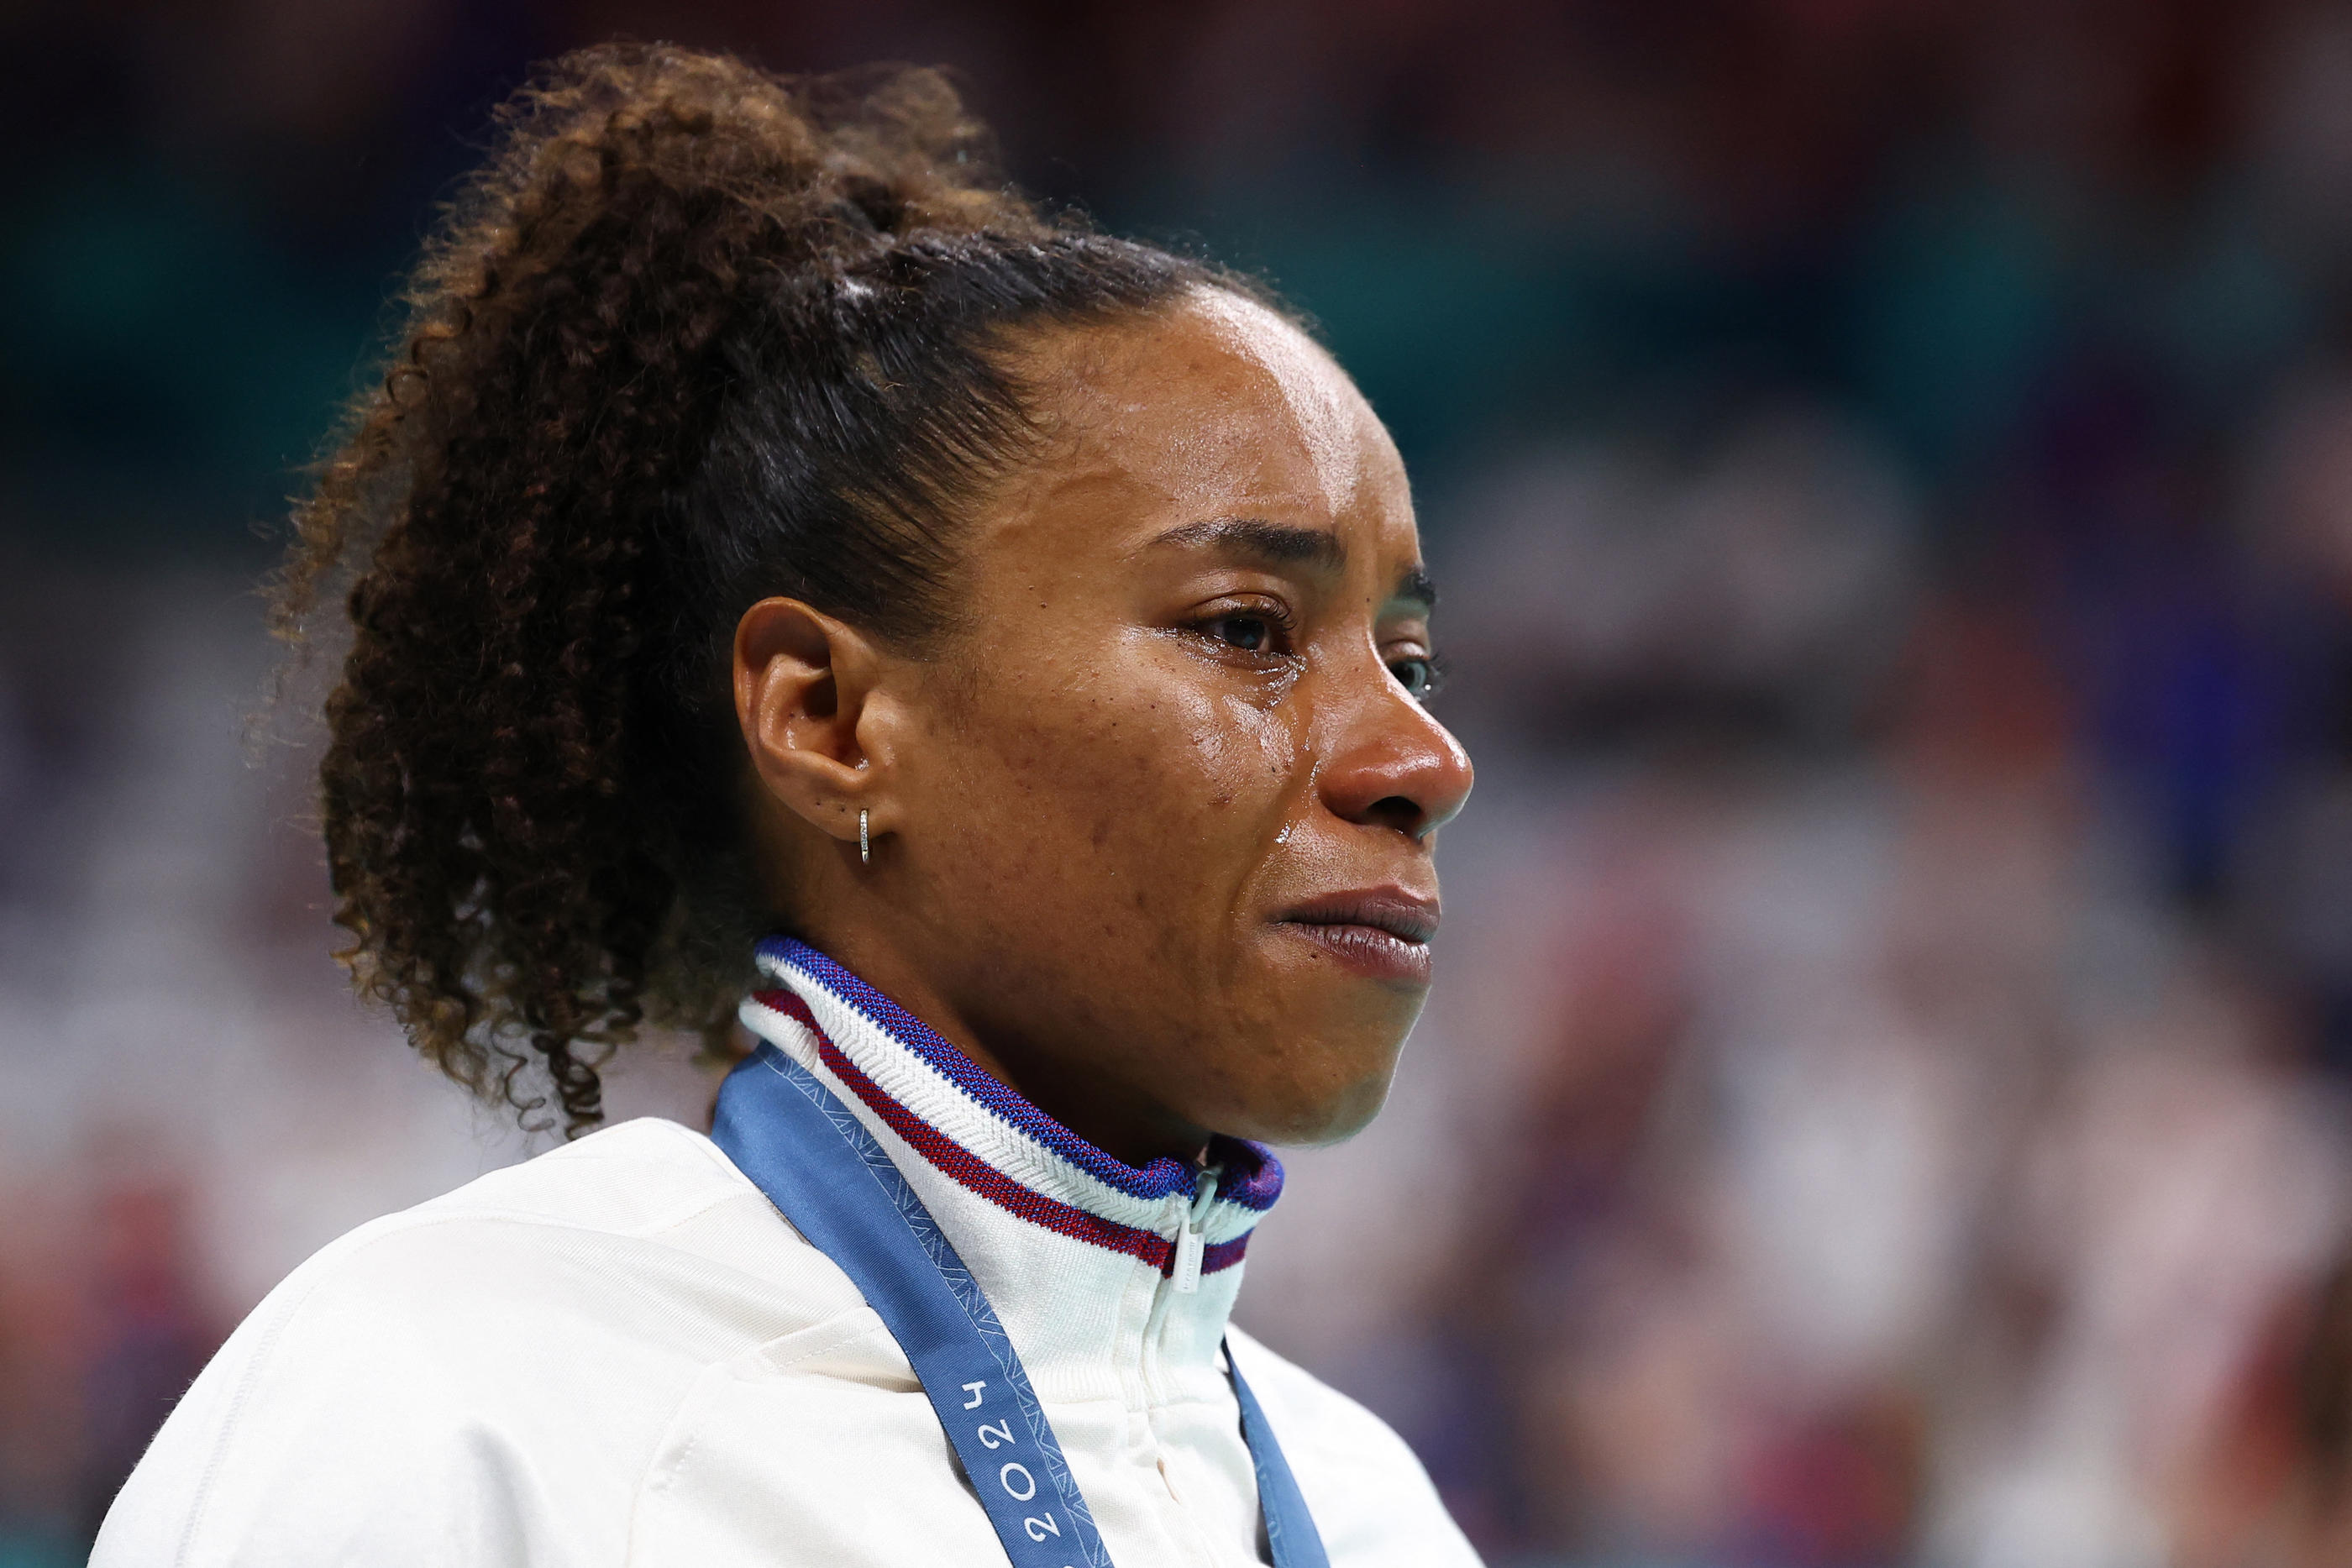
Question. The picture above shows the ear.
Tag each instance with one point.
(804, 689)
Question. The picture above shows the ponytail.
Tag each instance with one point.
(693, 335)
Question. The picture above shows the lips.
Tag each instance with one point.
(1380, 933)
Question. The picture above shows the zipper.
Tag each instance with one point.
(1185, 1277)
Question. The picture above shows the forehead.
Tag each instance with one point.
(1216, 407)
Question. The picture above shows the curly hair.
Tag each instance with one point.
(693, 335)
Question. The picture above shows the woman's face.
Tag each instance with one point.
(1154, 832)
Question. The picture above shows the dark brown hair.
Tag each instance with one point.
(693, 335)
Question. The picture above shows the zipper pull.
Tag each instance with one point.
(1189, 1248)
(1189, 1243)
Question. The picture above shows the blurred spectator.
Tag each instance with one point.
(1890, 469)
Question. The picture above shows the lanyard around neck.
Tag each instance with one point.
(827, 1175)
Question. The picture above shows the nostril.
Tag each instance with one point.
(1395, 811)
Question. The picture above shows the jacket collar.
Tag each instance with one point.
(1077, 1251)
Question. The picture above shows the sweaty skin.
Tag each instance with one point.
(1153, 826)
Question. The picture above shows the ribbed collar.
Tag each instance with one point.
(1074, 1249)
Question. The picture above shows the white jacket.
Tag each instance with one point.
(619, 1352)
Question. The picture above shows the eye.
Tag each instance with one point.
(1249, 633)
(1259, 627)
(1421, 674)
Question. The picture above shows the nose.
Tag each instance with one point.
(1393, 766)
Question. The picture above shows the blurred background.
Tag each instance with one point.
(1890, 465)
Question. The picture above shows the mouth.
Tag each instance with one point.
(1380, 933)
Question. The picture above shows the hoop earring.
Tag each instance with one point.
(864, 844)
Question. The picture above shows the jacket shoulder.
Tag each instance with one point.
(494, 1365)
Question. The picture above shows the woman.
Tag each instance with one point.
(771, 525)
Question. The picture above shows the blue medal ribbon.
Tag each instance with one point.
(826, 1174)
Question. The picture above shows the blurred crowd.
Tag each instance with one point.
(1888, 464)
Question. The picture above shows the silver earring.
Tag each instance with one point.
(864, 844)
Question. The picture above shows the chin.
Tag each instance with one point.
(1344, 1121)
(1330, 1111)
(1332, 1038)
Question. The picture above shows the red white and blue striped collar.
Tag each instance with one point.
(979, 1133)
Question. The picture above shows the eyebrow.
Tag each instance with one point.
(1281, 544)
(1287, 544)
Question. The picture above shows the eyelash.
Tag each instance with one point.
(1431, 668)
(1273, 615)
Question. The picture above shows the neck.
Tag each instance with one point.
(1082, 1091)
(1052, 1226)
(1118, 1123)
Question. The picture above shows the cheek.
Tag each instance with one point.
(1145, 799)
